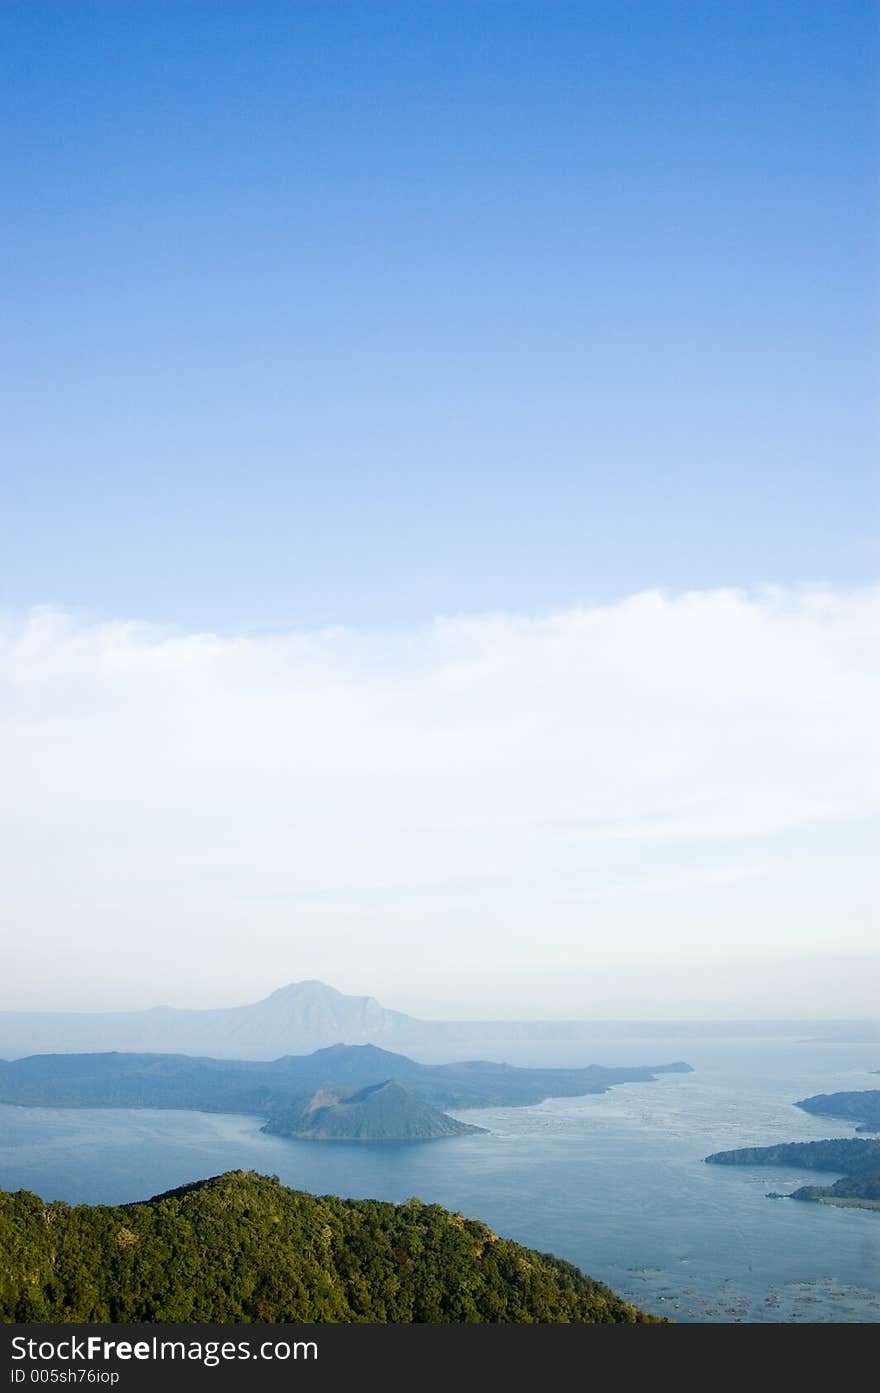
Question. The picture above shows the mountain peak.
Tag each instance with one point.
(310, 987)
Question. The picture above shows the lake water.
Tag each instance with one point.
(614, 1182)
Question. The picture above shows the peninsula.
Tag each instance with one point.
(859, 1160)
(861, 1107)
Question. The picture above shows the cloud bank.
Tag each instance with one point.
(601, 796)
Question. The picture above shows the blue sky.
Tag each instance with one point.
(438, 510)
(362, 313)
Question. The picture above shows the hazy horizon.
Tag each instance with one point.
(430, 1008)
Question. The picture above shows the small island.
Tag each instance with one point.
(859, 1160)
(380, 1112)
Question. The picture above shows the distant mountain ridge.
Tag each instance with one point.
(302, 1017)
(295, 1019)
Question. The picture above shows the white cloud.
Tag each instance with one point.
(453, 792)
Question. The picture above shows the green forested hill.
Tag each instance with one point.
(242, 1247)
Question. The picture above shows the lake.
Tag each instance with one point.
(613, 1182)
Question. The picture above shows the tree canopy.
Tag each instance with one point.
(242, 1247)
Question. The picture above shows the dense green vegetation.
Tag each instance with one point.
(282, 1088)
(379, 1112)
(862, 1107)
(863, 1191)
(242, 1247)
(859, 1160)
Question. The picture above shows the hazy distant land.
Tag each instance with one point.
(848, 1033)
(306, 1016)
